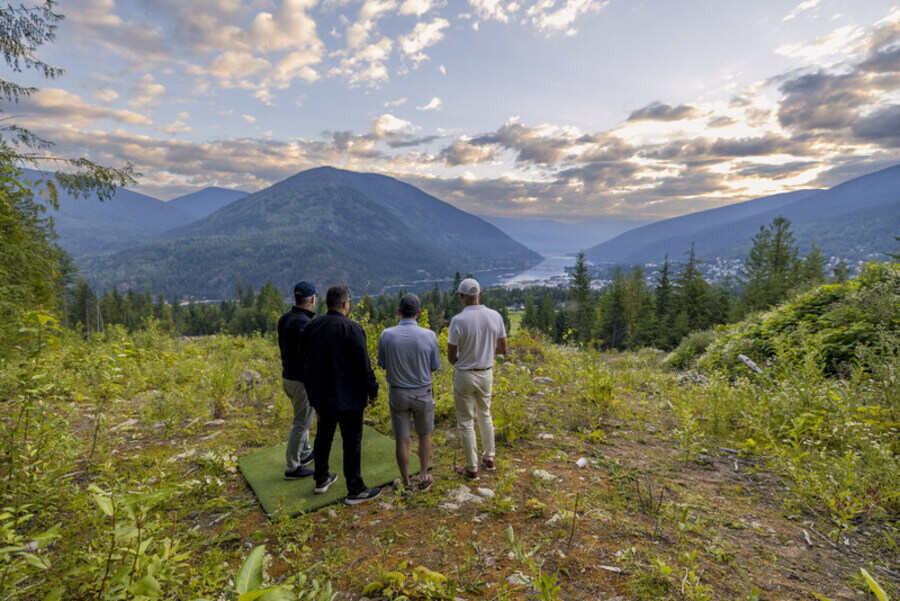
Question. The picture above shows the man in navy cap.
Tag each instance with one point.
(290, 328)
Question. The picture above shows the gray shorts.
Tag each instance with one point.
(411, 404)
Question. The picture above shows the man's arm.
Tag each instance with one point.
(359, 350)
(452, 354)
(435, 354)
(381, 351)
(501, 347)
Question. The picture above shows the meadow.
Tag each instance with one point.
(618, 477)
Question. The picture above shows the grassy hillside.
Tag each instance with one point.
(119, 481)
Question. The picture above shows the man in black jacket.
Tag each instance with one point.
(340, 383)
(290, 328)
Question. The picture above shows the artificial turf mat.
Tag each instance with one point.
(264, 471)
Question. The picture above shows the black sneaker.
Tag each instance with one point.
(361, 497)
(307, 458)
(323, 486)
(300, 472)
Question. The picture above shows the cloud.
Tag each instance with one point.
(549, 16)
(397, 102)
(461, 152)
(369, 14)
(249, 118)
(838, 44)
(422, 36)
(367, 65)
(542, 145)
(70, 109)
(657, 111)
(434, 104)
(489, 9)
(146, 93)
(801, 8)
(882, 126)
(415, 7)
(105, 94)
(177, 127)
(389, 126)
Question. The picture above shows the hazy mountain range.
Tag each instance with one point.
(326, 225)
(857, 219)
(375, 232)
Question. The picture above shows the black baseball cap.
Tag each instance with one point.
(304, 289)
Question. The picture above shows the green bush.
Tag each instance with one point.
(691, 347)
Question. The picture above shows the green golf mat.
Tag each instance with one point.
(264, 471)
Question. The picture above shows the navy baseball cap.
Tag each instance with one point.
(304, 289)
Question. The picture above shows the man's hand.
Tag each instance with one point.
(452, 353)
(502, 347)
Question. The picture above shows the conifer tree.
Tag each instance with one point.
(812, 270)
(529, 320)
(581, 295)
(546, 318)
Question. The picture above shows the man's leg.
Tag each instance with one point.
(351, 434)
(322, 446)
(484, 384)
(425, 456)
(298, 439)
(465, 417)
(403, 459)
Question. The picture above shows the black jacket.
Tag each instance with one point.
(290, 327)
(336, 369)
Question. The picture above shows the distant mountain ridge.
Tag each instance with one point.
(204, 202)
(325, 224)
(553, 237)
(856, 219)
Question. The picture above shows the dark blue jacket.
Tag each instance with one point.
(290, 327)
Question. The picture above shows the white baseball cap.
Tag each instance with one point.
(469, 287)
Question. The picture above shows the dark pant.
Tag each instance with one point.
(351, 423)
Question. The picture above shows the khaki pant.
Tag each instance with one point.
(298, 439)
(472, 397)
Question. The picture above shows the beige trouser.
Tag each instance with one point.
(472, 397)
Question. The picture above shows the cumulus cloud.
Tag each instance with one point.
(434, 104)
(389, 126)
(415, 7)
(177, 127)
(105, 94)
(490, 9)
(551, 16)
(657, 111)
(421, 37)
(802, 8)
(397, 102)
(461, 152)
(146, 93)
(70, 109)
(249, 118)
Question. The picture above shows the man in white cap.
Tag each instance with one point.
(476, 335)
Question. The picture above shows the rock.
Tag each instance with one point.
(545, 436)
(462, 495)
(249, 378)
(185, 455)
(487, 493)
(128, 423)
(518, 579)
(332, 513)
(750, 364)
(543, 380)
(583, 462)
(692, 377)
(543, 475)
(214, 422)
(449, 506)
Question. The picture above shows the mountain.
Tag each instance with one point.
(204, 202)
(857, 219)
(326, 225)
(85, 225)
(552, 237)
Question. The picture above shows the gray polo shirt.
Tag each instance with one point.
(408, 354)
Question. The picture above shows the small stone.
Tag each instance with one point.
(490, 562)
(129, 423)
(449, 506)
(332, 513)
(543, 380)
(543, 475)
(518, 579)
(214, 422)
(487, 493)
(545, 436)
(583, 462)
(185, 455)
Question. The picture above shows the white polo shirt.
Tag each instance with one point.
(475, 332)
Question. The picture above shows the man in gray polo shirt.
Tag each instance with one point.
(476, 334)
(409, 353)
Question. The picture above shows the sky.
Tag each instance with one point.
(565, 109)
